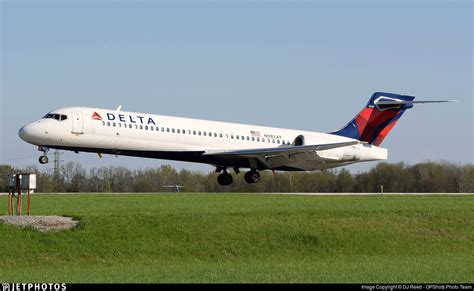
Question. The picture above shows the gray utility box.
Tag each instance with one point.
(23, 181)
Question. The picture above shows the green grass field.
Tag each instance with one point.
(245, 238)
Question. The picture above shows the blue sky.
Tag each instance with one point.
(308, 65)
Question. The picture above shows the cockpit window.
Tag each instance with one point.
(59, 117)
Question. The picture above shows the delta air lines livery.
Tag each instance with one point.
(223, 145)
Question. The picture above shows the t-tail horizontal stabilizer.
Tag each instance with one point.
(384, 103)
(379, 116)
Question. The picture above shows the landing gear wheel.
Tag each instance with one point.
(252, 177)
(224, 179)
(43, 159)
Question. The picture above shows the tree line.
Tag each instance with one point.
(426, 177)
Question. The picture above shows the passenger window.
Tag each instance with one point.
(146, 127)
(172, 130)
(141, 126)
(258, 139)
(114, 124)
(253, 138)
(273, 141)
(178, 130)
(194, 132)
(167, 129)
(199, 133)
(204, 133)
(152, 128)
(220, 134)
(184, 131)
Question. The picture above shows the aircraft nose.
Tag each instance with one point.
(26, 133)
(23, 132)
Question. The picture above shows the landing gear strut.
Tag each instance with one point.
(44, 158)
(252, 177)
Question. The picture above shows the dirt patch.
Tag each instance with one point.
(41, 223)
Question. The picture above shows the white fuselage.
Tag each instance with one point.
(165, 137)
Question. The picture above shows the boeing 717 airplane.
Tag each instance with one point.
(223, 145)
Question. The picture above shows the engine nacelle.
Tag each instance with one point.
(351, 153)
(338, 154)
(299, 141)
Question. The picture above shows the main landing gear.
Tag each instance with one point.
(44, 158)
(252, 177)
(225, 179)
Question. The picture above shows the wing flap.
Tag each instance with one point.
(269, 153)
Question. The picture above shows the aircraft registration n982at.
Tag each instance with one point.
(223, 145)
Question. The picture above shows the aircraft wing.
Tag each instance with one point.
(281, 156)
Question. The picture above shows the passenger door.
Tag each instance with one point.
(77, 122)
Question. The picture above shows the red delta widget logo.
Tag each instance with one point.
(96, 116)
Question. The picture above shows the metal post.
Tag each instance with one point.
(9, 201)
(19, 195)
(18, 203)
(28, 195)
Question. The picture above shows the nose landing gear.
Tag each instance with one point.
(44, 158)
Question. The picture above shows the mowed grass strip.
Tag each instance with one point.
(245, 238)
